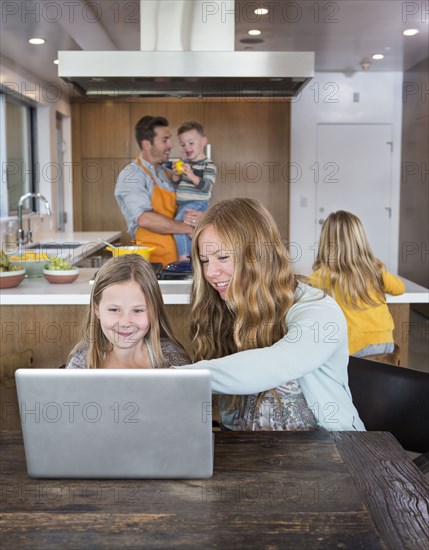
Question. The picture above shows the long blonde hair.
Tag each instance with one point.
(347, 267)
(119, 270)
(262, 286)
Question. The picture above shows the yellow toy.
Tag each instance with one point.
(179, 166)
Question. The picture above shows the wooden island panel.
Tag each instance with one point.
(401, 333)
(51, 331)
(48, 333)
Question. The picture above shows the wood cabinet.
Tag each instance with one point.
(250, 145)
(249, 139)
(104, 130)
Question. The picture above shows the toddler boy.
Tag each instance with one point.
(194, 176)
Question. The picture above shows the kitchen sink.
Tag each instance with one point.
(53, 246)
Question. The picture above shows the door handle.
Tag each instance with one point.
(389, 210)
(321, 222)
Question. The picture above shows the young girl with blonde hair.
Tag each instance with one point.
(276, 348)
(346, 268)
(126, 325)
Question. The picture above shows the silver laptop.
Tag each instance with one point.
(116, 423)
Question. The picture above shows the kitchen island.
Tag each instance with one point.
(34, 314)
(41, 322)
(37, 291)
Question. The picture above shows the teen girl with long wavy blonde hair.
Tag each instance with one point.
(253, 326)
(258, 299)
(345, 267)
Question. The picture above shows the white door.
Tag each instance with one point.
(353, 172)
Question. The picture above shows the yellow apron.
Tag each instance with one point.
(163, 202)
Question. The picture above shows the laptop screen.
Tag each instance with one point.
(116, 423)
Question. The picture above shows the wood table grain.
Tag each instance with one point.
(270, 490)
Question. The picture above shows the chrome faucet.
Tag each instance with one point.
(22, 238)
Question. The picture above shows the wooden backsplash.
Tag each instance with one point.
(250, 144)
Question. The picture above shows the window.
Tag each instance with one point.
(17, 126)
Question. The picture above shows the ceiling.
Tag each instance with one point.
(342, 33)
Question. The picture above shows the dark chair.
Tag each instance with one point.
(393, 399)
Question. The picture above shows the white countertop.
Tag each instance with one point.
(40, 292)
(37, 291)
(414, 293)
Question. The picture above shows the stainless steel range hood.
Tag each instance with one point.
(186, 74)
(179, 56)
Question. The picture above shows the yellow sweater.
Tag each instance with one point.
(372, 325)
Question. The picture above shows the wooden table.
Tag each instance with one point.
(269, 490)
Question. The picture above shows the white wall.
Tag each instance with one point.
(328, 98)
(49, 99)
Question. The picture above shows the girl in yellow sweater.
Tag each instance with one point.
(346, 268)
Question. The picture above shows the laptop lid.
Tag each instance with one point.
(116, 423)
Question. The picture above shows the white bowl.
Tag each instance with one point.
(33, 268)
(57, 276)
(9, 279)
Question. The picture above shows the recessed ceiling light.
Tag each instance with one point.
(254, 32)
(261, 11)
(37, 41)
(378, 56)
(56, 61)
(410, 32)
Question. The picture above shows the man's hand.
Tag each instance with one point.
(192, 217)
(158, 223)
